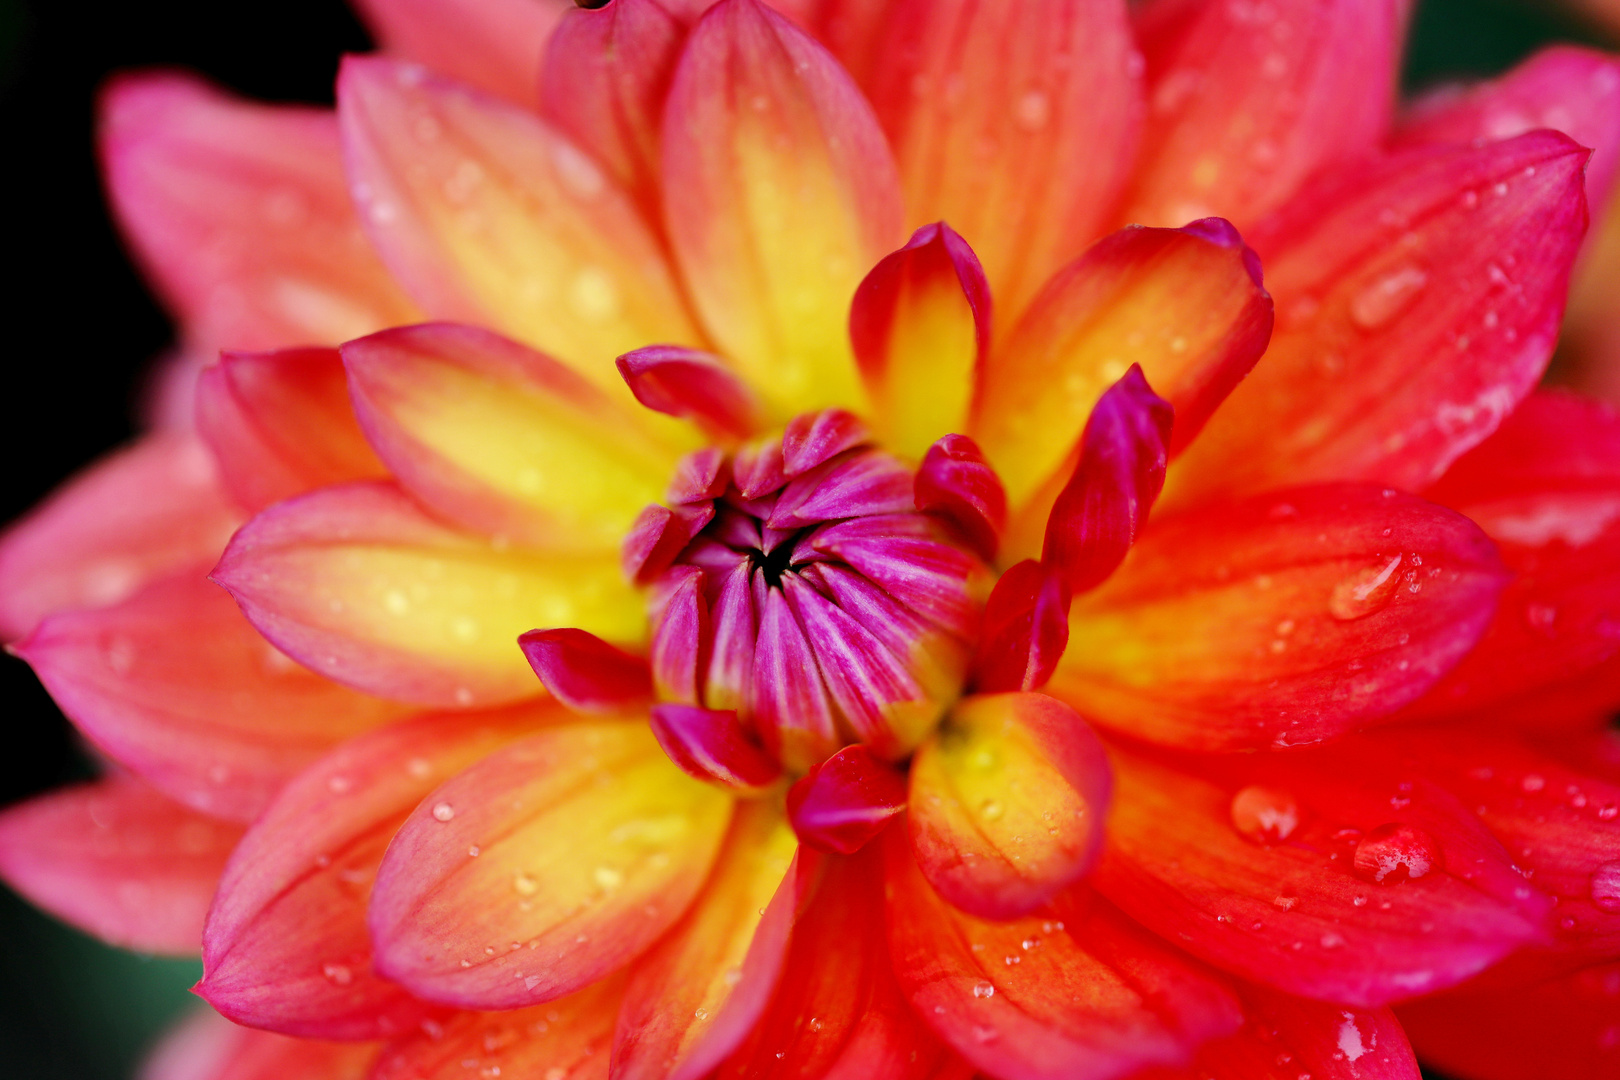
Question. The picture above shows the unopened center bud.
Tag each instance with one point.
(810, 595)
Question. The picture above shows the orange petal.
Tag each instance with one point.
(779, 195)
(1015, 123)
(838, 1012)
(1185, 304)
(1335, 874)
(591, 845)
(488, 216)
(1219, 140)
(701, 989)
(279, 424)
(1281, 620)
(568, 1038)
(1007, 803)
(358, 583)
(207, 1047)
(1004, 994)
(286, 946)
(1418, 301)
(139, 513)
(920, 324)
(496, 45)
(174, 684)
(506, 440)
(240, 213)
(119, 861)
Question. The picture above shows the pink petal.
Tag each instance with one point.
(712, 745)
(957, 484)
(813, 438)
(280, 424)
(920, 325)
(286, 946)
(658, 536)
(174, 684)
(1418, 302)
(924, 574)
(119, 861)
(1103, 507)
(729, 678)
(1366, 884)
(140, 513)
(240, 213)
(788, 700)
(1016, 123)
(679, 611)
(494, 44)
(779, 194)
(858, 484)
(359, 584)
(606, 74)
(500, 221)
(846, 800)
(693, 385)
(1026, 629)
(205, 1046)
(1243, 111)
(587, 674)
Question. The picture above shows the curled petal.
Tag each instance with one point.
(779, 193)
(658, 535)
(586, 673)
(838, 1011)
(680, 619)
(693, 385)
(174, 684)
(1103, 507)
(956, 483)
(1026, 629)
(286, 946)
(816, 437)
(498, 220)
(208, 1047)
(1337, 874)
(591, 845)
(712, 745)
(1016, 123)
(857, 484)
(147, 511)
(572, 1035)
(1419, 297)
(920, 325)
(360, 584)
(698, 993)
(606, 74)
(1187, 305)
(846, 800)
(1564, 88)
(119, 861)
(1562, 1028)
(1007, 803)
(503, 439)
(240, 213)
(280, 424)
(494, 44)
(1546, 488)
(1003, 994)
(1280, 620)
(1219, 140)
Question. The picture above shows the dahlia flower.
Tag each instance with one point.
(617, 607)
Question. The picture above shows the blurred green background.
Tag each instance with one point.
(70, 1008)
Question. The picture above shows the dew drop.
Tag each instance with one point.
(1386, 297)
(1034, 110)
(1365, 592)
(525, 885)
(702, 1014)
(982, 989)
(337, 974)
(1393, 853)
(443, 811)
(815, 1024)
(991, 810)
(1264, 815)
(1606, 886)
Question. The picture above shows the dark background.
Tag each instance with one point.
(80, 329)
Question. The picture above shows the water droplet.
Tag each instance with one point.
(985, 1034)
(1034, 110)
(1606, 886)
(1533, 783)
(702, 1014)
(443, 811)
(1394, 852)
(337, 974)
(1541, 618)
(1264, 815)
(1365, 592)
(815, 1024)
(991, 810)
(982, 989)
(607, 877)
(525, 885)
(1388, 296)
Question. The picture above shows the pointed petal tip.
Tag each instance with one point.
(845, 801)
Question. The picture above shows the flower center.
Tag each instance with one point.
(795, 583)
